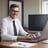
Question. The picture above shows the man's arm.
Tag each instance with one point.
(26, 35)
(22, 31)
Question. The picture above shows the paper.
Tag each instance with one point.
(23, 44)
(45, 41)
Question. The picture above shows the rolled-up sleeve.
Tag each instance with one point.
(22, 31)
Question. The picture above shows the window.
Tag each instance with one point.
(44, 7)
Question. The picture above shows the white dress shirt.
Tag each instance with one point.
(7, 31)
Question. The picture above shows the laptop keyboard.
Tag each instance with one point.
(33, 40)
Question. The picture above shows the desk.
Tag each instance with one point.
(39, 45)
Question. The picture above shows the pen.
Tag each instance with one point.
(21, 44)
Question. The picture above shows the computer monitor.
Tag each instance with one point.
(37, 22)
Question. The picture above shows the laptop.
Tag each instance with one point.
(44, 36)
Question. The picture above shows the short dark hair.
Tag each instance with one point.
(13, 5)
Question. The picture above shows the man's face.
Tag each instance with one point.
(14, 12)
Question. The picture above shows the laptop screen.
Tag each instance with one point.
(37, 22)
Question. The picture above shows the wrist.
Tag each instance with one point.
(20, 37)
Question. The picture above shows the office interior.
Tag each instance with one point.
(30, 7)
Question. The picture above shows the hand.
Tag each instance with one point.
(30, 36)
(21, 38)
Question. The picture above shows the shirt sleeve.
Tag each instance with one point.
(22, 31)
(4, 32)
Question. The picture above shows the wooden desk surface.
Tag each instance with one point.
(39, 45)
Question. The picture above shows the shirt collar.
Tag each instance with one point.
(12, 19)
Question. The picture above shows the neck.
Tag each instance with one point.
(12, 18)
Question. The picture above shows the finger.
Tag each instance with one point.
(31, 36)
(34, 35)
(28, 37)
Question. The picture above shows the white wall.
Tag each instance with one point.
(3, 9)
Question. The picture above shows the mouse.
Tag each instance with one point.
(45, 41)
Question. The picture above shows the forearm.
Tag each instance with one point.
(28, 36)
(20, 37)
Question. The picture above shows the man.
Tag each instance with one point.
(11, 24)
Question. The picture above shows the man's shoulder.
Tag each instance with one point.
(18, 20)
(5, 18)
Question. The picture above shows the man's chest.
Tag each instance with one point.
(10, 27)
